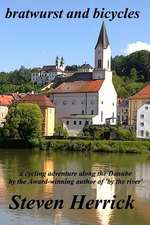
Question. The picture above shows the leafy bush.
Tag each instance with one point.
(24, 121)
(107, 133)
(61, 132)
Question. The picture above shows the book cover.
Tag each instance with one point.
(74, 112)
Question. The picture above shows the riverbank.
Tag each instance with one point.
(78, 145)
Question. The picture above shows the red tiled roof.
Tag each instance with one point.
(6, 100)
(41, 100)
(143, 94)
(79, 86)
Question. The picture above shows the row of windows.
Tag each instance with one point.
(43, 74)
(78, 122)
(75, 101)
(44, 77)
(82, 102)
(147, 133)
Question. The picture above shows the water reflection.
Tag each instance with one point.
(12, 163)
(105, 191)
(48, 165)
(143, 173)
(3, 189)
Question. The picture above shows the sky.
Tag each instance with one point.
(37, 42)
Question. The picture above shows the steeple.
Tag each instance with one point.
(102, 55)
(103, 38)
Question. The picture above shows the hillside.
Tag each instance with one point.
(130, 74)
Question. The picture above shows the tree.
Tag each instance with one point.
(133, 74)
(61, 132)
(72, 68)
(139, 60)
(24, 121)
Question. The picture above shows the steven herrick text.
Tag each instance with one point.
(78, 202)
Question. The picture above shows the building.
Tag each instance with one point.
(135, 102)
(47, 109)
(143, 121)
(122, 111)
(46, 74)
(88, 97)
(85, 68)
(5, 102)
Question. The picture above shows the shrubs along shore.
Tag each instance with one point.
(92, 139)
(111, 146)
(78, 145)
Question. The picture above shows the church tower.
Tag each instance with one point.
(102, 68)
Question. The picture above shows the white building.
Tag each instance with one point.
(143, 121)
(85, 68)
(46, 74)
(88, 97)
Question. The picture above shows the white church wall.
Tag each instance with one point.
(107, 103)
(74, 103)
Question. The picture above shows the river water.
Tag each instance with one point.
(88, 170)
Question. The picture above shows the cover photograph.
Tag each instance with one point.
(74, 112)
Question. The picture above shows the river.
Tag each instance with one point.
(97, 176)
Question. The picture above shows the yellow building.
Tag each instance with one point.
(47, 109)
(136, 101)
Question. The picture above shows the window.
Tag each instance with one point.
(101, 102)
(108, 64)
(147, 133)
(73, 102)
(142, 133)
(92, 112)
(99, 63)
(74, 122)
(101, 116)
(146, 107)
(67, 122)
(134, 114)
(142, 124)
(86, 122)
(142, 116)
(113, 103)
(80, 122)
(64, 102)
(113, 114)
(82, 112)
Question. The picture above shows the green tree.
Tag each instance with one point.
(24, 121)
(133, 74)
(139, 60)
(61, 132)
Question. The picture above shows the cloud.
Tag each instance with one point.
(137, 46)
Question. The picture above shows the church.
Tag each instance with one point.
(88, 98)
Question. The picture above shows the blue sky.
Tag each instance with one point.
(36, 42)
